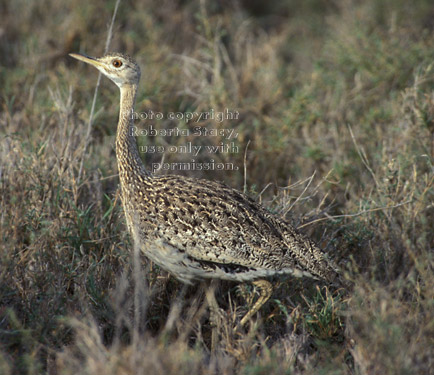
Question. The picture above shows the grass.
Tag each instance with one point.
(336, 100)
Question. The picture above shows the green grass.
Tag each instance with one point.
(337, 101)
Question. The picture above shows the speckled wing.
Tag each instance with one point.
(213, 226)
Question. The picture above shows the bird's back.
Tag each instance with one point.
(197, 229)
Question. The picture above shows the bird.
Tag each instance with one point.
(198, 229)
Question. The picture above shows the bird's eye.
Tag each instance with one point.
(117, 63)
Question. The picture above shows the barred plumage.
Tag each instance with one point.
(199, 229)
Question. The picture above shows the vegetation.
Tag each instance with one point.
(335, 133)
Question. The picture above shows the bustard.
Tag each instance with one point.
(199, 229)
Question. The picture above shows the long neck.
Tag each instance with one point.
(129, 163)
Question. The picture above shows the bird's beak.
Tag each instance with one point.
(86, 59)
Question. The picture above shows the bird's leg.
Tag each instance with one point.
(175, 311)
(213, 312)
(265, 291)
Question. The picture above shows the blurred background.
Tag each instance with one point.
(335, 134)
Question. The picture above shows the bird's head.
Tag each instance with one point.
(120, 68)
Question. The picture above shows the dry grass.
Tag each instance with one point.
(337, 101)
